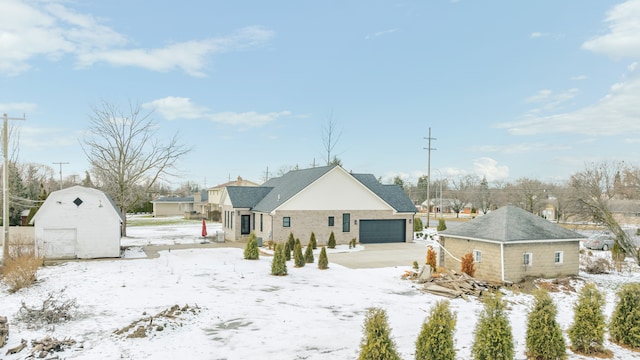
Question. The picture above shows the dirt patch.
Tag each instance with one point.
(170, 318)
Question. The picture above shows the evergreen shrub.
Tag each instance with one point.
(435, 341)
(376, 343)
(323, 261)
(251, 251)
(279, 263)
(624, 327)
(298, 257)
(587, 332)
(493, 339)
(544, 340)
(331, 244)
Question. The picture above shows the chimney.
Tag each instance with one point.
(239, 180)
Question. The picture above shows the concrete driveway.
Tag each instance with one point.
(382, 255)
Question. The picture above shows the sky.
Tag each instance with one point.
(240, 311)
(533, 89)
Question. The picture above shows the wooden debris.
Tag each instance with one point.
(41, 348)
(17, 349)
(4, 330)
(453, 285)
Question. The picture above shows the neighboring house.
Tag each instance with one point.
(78, 222)
(625, 212)
(179, 205)
(511, 244)
(319, 200)
(214, 193)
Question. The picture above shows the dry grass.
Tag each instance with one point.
(19, 269)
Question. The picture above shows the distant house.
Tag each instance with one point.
(179, 205)
(320, 200)
(214, 194)
(625, 212)
(511, 244)
(78, 222)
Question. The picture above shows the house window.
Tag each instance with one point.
(286, 221)
(331, 220)
(346, 222)
(528, 259)
(260, 222)
(244, 224)
(477, 256)
(559, 257)
(253, 225)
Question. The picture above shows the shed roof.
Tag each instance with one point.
(511, 224)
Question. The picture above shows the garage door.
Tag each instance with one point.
(382, 231)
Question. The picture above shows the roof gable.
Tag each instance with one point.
(511, 224)
(246, 196)
(77, 192)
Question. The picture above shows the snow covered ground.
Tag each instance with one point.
(237, 310)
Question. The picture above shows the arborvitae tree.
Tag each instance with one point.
(292, 241)
(417, 225)
(442, 226)
(544, 335)
(624, 327)
(297, 242)
(587, 332)
(287, 251)
(376, 343)
(308, 254)
(467, 264)
(251, 251)
(323, 261)
(435, 341)
(298, 257)
(431, 258)
(493, 338)
(279, 263)
(312, 241)
(332, 241)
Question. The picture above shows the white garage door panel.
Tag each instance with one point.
(59, 243)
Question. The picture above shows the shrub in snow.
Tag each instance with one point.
(435, 341)
(442, 226)
(279, 263)
(599, 266)
(544, 335)
(55, 308)
(332, 241)
(251, 251)
(587, 332)
(298, 257)
(417, 224)
(308, 255)
(287, 251)
(431, 258)
(492, 337)
(19, 268)
(292, 241)
(376, 343)
(312, 241)
(467, 264)
(624, 327)
(323, 261)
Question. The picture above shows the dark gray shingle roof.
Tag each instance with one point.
(247, 196)
(394, 195)
(509, 224)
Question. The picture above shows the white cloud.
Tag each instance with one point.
(173, 108)
(622, 40)
(43, 138)
(579, 77)
(18, 108)
(52, 30)
(615, 113)
(380, 33)
(489, 168)
(537, 34)
(523, 148)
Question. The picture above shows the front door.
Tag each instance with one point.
(245, 224)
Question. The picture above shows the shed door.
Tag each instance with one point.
(382, 231)
(59, 243)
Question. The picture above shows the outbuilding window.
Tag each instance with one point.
(528, 259)
(559, 257)
(477, 256)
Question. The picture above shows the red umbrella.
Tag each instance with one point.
(204, 228)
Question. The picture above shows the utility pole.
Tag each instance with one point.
(5, 191)
(61, 163)
(429, 148)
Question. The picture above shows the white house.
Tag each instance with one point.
(78, 222)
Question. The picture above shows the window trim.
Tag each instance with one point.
(286, 221)
(527, 256)
(477, 256)
(558, 257)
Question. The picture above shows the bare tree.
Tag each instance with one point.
(330, 137)
(125, 155)
(484, 196)
(462, 192)
(591, 191)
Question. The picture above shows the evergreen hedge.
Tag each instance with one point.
(298, 258)
(587, 332)
(435, 341)
(279, 263)
(544, 336)
(376, 343)
(308, 254)
(624, 327)
(287, 251)
(442, 226)
(323, 261)
(312, 241)
(251, 251)
(493, 338)
(332, 241)
(417, 225)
